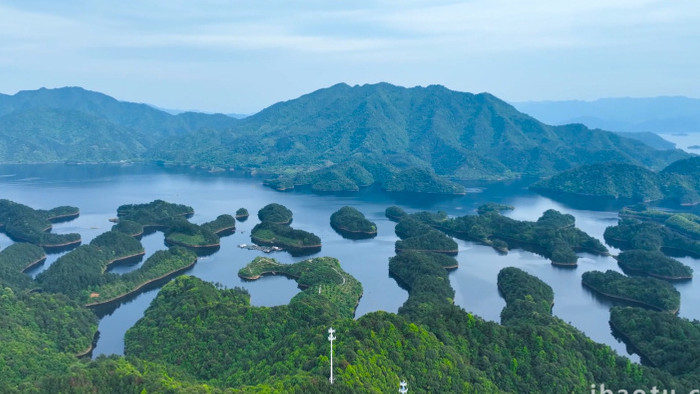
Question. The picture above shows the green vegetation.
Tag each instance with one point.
(223, 224)
(634, 234)
(24, 224)
(493, 207)
(527, 297)
(421, 180)
(351, 223)
(679, 182)
(318, 276)
(14, 260)
(157, 213)
(653, 263)
(75, 125)
(160, 265)
(685, 223)
(395, 213)
(293, 240)
(419, 237)
(241, 214)
(553, 235)
(662, 339)
(183, 233)
(275, 213)
(344, 138)
(648, 292)
(116, 246)
(129, 227)
(62, 213)
(41, 334)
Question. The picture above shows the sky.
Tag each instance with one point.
(242, 56)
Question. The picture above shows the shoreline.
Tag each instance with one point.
(34, 263)
(630, 300)
(139, 287)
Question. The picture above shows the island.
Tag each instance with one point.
(223, 225)
(642, 291)
(183, 233)
(320, 276)
(648, 235)
(275, 213)
(155, 215)
(419, 237)
(394, 213)
(694, 147)
(129, 227)
(685, 223)
(296, 242)
(162, 265)
(118, 247)
(653, 263)
(678, 183)
(242, 214)
(553, 235)
(25, 224)
(351, 223)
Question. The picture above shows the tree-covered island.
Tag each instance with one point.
(642, 291)
(553, 235)
(653, 263)
(25, 224)
(649, 235)
(351, 223)
(678, 183)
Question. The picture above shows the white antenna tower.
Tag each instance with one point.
(331, 338)
(403, 389)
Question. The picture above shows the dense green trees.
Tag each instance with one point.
(298, 242)
(275, 213)
(678, 182)
(653, 263)
(553, 235)
(241, 214)
(351, 223)
(648, 235)
(25, 224)
(14, 260)
(157, 213)
(662, 339)
(648, 292)
(182, 232)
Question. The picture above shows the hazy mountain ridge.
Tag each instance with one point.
(656, 114)
(53, 125)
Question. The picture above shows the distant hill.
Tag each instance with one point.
(336, 139)
(74, 124)
(678, 183)
(656, 114)
(385, 129)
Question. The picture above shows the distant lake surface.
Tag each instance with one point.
(99, 189)
(684, 141)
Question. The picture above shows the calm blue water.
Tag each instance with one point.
(99, 190)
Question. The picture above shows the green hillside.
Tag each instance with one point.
(74, 124)
(678, 183)
(385, 129)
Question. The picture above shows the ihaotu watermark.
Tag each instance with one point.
(601, 389)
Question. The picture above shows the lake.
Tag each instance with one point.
(99, 189)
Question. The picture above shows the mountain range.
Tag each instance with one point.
(338, 138)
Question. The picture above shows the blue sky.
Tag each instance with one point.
(241, 56)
